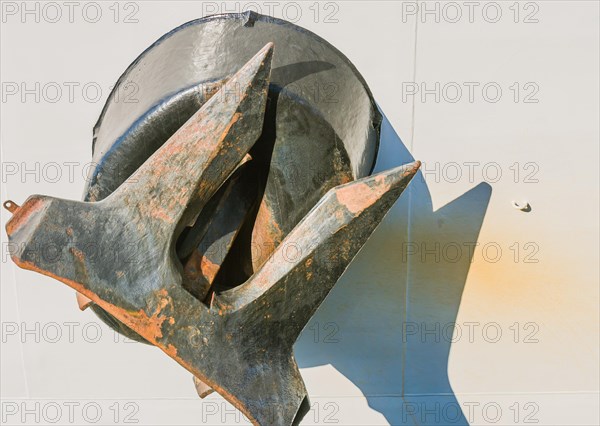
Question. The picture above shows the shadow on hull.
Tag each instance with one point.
(387, 324)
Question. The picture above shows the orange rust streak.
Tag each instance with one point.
(266, 235)
(233, 120)
(78, 254)
(158, 166)
(147, 327)
(22, 214)
(158, 213)
(209, 269)
(357, 196)
(172, 352)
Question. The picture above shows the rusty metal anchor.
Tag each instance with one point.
(144, 254)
